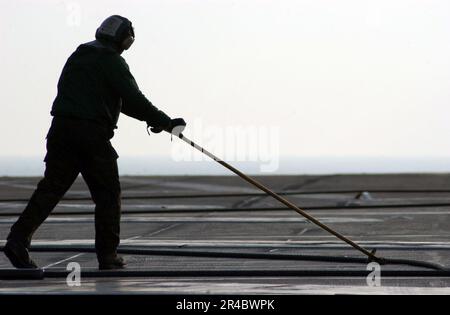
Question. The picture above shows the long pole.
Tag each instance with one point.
(289, 204)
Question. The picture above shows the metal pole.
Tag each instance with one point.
(289, 204)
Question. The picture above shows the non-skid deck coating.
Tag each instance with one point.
(403, 216)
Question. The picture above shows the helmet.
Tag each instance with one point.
(118, 30)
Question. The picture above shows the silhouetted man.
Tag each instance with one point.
(94, 87)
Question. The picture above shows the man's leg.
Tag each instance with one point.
(58, 177)
(102, 177)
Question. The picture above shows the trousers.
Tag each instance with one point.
(77, 146)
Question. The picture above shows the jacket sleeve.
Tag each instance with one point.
(134, 102)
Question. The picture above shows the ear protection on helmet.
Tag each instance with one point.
(127, 42)
(118, 30)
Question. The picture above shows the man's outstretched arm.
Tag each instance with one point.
(134, 102)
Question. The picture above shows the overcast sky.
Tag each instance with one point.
(337, 78)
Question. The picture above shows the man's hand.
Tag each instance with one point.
(175, 127)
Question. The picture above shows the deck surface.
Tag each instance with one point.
(402, 216)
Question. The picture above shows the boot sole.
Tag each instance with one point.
(16, 261)
(111, 267)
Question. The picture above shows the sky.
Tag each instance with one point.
(300, 78)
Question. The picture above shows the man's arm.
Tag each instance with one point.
(134, 103)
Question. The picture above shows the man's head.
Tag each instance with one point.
(116, 30)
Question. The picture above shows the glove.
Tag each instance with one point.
(176, 126)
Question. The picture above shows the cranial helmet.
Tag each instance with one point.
(118, 30)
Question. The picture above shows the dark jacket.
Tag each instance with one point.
(96, 85)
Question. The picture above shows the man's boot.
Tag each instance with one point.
(18, 255)
(108, 262)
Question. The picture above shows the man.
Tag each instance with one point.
(94, 87)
